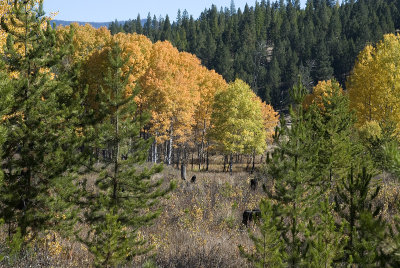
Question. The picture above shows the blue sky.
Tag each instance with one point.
(109, 10)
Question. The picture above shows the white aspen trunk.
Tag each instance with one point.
(201, 153)
(169, 158)
(154, 154)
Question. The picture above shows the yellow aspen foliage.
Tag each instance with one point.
(374, 85)
(238, 123)
(4, 9)
(157, 88)
(6, 14)
(371, 130)
(322, 90)
(86, 39)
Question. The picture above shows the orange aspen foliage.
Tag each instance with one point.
(321, 90)
(186, 80)
(86, 39)
(170, 92)
(136, 48)
(271, 118)
(209, 84)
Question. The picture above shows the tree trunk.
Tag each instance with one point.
(183, 171)
(248, 163)
(169, 158)
(172, 156)
(225, 160)
(155, 156)
(230, 164)
(201, 151)
(199, 156)
(192, 161)
(178, 157)
(254, 164)
(207, 161)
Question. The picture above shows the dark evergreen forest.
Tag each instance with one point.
(269, 44)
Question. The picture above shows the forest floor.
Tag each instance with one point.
(200, 224)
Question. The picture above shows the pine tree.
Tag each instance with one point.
(323, 70)
(123, 200)
(223, 61)
(42, 123)
(147, 29)
(270, 250)
(6, 102)
(326, 240)
(166, 30)
(332, 125)
(292, 167)
(138, 26)
(363, 226)
(233, 8)
(274, 79)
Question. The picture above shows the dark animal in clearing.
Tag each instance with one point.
(253, 184)
(193, 179)
(251, 216)
(247, 217)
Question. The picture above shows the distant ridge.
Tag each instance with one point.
(94, 24)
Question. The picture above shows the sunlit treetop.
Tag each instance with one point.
(86, 39)
(7, 14)
(374, 85)
(321, 91)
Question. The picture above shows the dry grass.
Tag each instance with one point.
(200, 225)
(201, 222)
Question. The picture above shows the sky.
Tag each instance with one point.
(109, 10)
